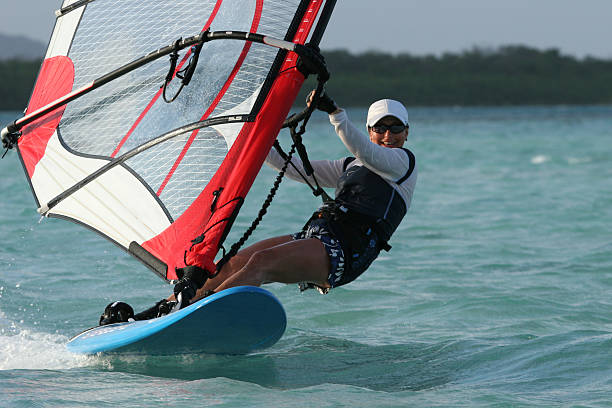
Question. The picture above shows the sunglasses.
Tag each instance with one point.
(380, 129)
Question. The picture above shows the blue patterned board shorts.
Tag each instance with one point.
(340, 272)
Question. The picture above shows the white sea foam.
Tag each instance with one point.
(540, 159)
(30, 350)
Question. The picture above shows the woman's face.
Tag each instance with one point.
(386, 137)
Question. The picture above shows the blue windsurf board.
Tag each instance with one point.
(238, 320)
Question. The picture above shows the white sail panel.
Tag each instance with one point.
(116, 202)
(64, 29)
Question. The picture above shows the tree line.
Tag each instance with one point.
(509, 75)
(16, 82)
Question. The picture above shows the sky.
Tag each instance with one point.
(419, 27)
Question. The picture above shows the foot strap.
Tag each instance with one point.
(161, 308)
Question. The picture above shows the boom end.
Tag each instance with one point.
(43, 210)
(9, 136)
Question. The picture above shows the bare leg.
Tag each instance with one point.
(238, 261)
(288, 262)
(278, 259)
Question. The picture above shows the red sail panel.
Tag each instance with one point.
(55, 80)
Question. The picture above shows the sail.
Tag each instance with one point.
(149, 175)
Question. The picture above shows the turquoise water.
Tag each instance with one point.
(497, 292)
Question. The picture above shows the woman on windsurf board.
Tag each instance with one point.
(374, 189)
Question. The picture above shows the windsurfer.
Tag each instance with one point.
(340, 241)
(373, 191)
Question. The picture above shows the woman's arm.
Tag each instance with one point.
(326, 172)
(390, 163)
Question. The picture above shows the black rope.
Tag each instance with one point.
(301, 149)
(283, 155)
(318, 191)
(310, 62)
(264, 209)
(184, 74)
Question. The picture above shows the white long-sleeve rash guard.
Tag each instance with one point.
(392, 164)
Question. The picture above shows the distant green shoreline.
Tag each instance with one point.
(511, 75)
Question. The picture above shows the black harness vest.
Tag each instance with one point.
(370, 200)
(365, 200)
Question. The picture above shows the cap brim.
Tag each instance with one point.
(374, 119)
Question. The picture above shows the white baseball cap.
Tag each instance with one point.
(386, 107)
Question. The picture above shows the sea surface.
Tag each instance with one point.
(497, 292)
